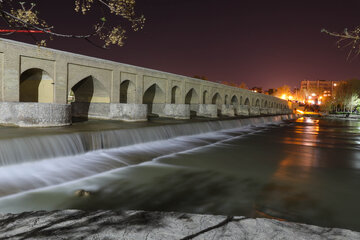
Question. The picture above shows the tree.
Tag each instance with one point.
(283, 92)
(347, 39)
(200, 77)
(243, 85)
(24, 16)
(346, 95)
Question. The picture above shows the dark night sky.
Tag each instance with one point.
(261, 43)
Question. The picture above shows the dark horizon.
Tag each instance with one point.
(256, 42)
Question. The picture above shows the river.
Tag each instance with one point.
(304, 170)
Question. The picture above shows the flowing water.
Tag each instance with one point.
(303, 170)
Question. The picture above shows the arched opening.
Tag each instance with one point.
(154, 94)
(205, 97)
(265, 104)
(226, 100)
(257, 103)
(36, 85)
(175, 95)
(85, 92)
(127, 92)
(241, 100)
(192, 97)
(235, 103)
(90, 90)
(247, 102)
(216, 99)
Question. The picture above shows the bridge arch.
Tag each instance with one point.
(36, 85)
(265, 104)
(216, 99)
(247, 102)
(234, 100)
(89, 90)
(205, 97)
(175, 95)
(226, 99)
(127, 92)
(235, 103)
(191, 97)
(154, 94)
(257, 103)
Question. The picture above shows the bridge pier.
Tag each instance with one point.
(30, 114)
(243, 110)
(129, 112)
(272, 111)
(177, 111)
(227, 110)
(116, 111)
(206, 110)
(264, 111)
(254, 111)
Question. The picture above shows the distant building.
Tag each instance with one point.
(314, 91)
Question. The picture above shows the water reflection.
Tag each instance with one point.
(305, 171)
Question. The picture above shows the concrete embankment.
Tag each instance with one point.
(342, 116)
(74, 224)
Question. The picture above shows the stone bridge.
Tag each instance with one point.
(46, 87)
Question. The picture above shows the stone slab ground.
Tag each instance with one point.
(138, 225)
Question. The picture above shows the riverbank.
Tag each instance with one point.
(74, 224)
(342, 116)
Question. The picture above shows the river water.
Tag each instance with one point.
(305, 170)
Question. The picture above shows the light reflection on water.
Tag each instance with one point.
(307, 170)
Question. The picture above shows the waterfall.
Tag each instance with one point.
(29, 149)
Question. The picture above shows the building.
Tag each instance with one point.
(314, 92)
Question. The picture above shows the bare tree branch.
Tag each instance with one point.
(26, 17)
(347, 39)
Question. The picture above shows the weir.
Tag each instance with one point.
(34, 162)
(41, 147)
